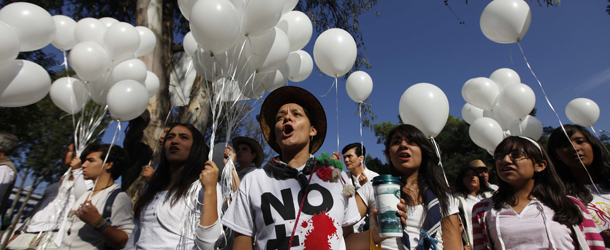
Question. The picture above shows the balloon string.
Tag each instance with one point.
(520, 129)
(331, 88)
(559, 119)
(116, 133)
(360, 115)
(440, 163)
(157, 144)
(337, 104)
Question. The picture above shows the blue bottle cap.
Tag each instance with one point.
(386, 179)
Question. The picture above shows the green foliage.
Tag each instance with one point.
(375, 165)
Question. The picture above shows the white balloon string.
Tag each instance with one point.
(361, 139)
(337, 104)
(440, 163)
(520, 129)
(559, 119)
(331, 88)
(117, 133)
(157, 142)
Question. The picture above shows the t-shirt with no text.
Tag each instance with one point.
(266, 208)
(83, 236)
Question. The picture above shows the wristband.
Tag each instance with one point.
(97, 222)
(374, 246)
(106, 223)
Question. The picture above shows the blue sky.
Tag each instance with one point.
(422, 41)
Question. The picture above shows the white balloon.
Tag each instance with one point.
(481, 92)
(90, 30)
(471, 113)
(297, 27)
(127, 100)
(426, 107)
(583, 112)
(268, 51)
(133, 69)
(300, 64)
(359, 86)
(148, 41)
(9, 42)
(69, 94)
(98, 90)
(504, 77)
(498, 114)
(33, 25)
(517, 100)
(289, 6)
(506, 21)
(151, 83)
(189, 44)
(89, 60)
(259, 16)
(108, 21)
(530, 127)
(335, 52)
(275, 79)
(121, 41)
(64, 33)
(22, 83)
(186, 6)
(215, 25)
(486, 133)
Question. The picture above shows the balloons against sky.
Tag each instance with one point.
(132, 69)
(9, 42)
(335, 52)
(506, 21)
(504, 76)
(64, 33)
(151, 83)
(486, 133)
(583, 112)
(426, 107)
(259, 16)
(69, 94)
(268, 51)
(89, 60)
(215, 26)
(297, 27)
(481, 92)
(300, 64)
(108, 21)
(189, 44)
(359, 86)
(530, 126)
(127, 100)
(90, 30)
(471, 113)
(121, 41)
(33, 25)
(517, 100)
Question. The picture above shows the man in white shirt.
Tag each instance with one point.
(87, 226)
(353, 157)
(8, 144)
(249, 155)
(483, 172)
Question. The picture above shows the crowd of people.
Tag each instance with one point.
(554, 200)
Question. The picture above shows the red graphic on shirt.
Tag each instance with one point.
(323, 230)
(304, 224)
(600, 217)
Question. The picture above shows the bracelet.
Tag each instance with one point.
(104, 226)
(97, 222)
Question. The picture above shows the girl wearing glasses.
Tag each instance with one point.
(530, 210)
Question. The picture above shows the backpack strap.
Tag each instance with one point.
(107, 213)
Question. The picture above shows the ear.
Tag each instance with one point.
(313, 131)
(541, 166)
(108, 166)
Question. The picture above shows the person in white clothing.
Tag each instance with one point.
(8, 173)
(583, 163)
(360, 177)
(100, 218)
(179, 209)
(469, 189)
(49, 215)
(294, 201)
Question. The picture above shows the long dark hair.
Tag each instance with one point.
(461, 188)
(430, 174)
(192, 168)
(548, 187)
(599, 168)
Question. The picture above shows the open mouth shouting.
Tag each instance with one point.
(287, 130)
(173, 149)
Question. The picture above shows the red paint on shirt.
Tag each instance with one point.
(304, 224)
(323, 230)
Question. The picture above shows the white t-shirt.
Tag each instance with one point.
(415, 221)
(599, 207)
(266, 208)
(83, 236)
(529, 230)
(7, 175)
(367, 194)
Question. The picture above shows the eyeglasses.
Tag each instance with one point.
(514, 155)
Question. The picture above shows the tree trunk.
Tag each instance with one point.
(197, 112)
(11, 228)
(157, 15)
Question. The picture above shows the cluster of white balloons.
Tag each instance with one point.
(256, 43)
(499, 105)
(102, 52)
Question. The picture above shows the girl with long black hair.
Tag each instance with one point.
(179, 209)
(584, 168)
(469, 190)
(531, 209)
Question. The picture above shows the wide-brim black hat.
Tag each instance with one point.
(300, 96)
(254, 146)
